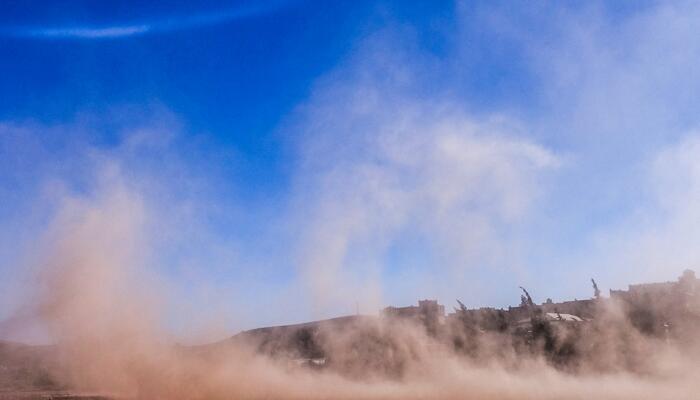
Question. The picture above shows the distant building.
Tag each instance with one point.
(580, 308)
(554, 318)
(656, 307)
(686, 287)
(429, 312)
(425, 307)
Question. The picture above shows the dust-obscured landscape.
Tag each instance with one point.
(640, 342)
(367, 199)
(618, 350)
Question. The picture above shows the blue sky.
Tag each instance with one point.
(296, 159)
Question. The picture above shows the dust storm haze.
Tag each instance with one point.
(100, 305)
(186, 221)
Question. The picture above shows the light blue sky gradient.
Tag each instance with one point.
(298, 159)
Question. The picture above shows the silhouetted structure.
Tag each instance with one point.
(561, 331)
(662, 308)
(428, 312)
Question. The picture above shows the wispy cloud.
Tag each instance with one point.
(88, 33)
(415, 179)
(173, 23)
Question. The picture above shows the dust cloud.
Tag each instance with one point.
(103, 308)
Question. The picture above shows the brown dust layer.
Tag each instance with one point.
(103, 310)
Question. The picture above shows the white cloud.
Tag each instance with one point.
(380, 162)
